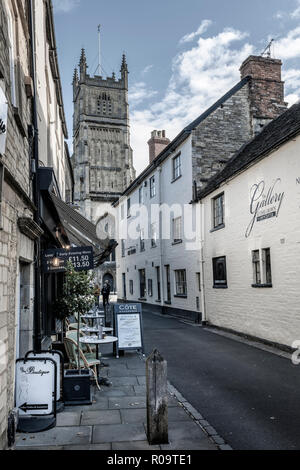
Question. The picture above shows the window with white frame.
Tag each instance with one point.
(176, 167)
(262, 270)
(177, 230)
(180, 282)
(218, 211)
(153, 235)
(131, 287)
(152, 187)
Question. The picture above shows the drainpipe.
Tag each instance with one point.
(201, 251)
(37, 338)
(162, 287)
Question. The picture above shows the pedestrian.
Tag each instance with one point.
(97, 295)
(105, 293)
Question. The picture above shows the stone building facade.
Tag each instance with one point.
(16, 207)
(19, 233)
(102, 159)
(162, 265)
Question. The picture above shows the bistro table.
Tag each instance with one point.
(95, 329)
(97, 341)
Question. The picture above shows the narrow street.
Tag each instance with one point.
(248, 395)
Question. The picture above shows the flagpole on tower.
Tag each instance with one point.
(99, 34)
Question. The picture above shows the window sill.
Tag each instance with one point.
(158, 301)
(217, 228)
(154, 246)
(178, 296)
(178, 242)
(167, 302)
(142, 300)
(262, 286)
(220, 287)
(176, 179)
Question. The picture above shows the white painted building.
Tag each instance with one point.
(251, 226)
(158, 261)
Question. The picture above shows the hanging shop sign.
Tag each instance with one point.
(129, 327)
(55, 260)
(3, 121)
(265, 202)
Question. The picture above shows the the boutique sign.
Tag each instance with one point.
(265, 202)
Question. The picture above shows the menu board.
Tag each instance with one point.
(55, 261)
(128, 326)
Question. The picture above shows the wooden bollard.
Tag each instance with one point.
(157, 399)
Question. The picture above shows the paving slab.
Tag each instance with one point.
(122, 371)
(76, 435)
(189, 444)
(91, 418)
(119, 433)
(140, 389)
(68, 418)
(183, 430)
(89, 447)
(141, 380)
(127, 402)
(124, 381)
(138, 445)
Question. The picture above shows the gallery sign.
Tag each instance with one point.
(55, 261)
(265, 203)
(3, 121)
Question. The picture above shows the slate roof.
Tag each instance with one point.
(276, 133)
(182, 136)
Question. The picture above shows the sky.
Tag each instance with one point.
(182, 55)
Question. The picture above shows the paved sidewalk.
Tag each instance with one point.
(117, 418)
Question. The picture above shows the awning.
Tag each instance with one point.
(81, 232)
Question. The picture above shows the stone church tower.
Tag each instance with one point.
(102, 159)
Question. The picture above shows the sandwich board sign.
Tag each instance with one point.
(129, 327)
(36, 393)
(57, 356)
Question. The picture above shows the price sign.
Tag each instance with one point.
(55, 261)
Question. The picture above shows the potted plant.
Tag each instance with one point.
(76, 300)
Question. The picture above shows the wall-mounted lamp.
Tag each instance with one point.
(56, 261)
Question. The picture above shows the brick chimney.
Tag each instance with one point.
(266, 89)
(157, 144)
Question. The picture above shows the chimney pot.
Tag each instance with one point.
(157, 144)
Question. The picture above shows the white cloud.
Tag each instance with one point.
(65, 6)
(202, 28)
(288, 47)
(139, 92)
(200, 76)
(296, 13)
(146, 69)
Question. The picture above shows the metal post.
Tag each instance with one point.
(157, 399)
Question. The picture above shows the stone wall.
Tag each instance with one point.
(16, 194)
(220, 135)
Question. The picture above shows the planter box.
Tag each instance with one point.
(77, 387)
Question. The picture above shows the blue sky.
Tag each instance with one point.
(182, 54)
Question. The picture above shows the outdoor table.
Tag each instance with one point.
(94, 329)
(97, 341)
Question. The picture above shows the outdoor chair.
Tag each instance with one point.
(87, 349)
(85, 361)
